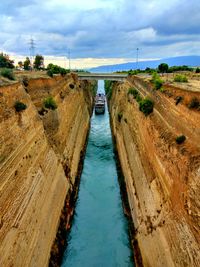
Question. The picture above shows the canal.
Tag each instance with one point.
(99, 233)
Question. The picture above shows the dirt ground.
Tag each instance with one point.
(193, 83)
(19, 75)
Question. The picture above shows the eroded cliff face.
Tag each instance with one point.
(162, 177)
(39, 157)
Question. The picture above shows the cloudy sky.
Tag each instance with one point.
(100, 31)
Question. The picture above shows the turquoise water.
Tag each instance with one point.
(99, 233)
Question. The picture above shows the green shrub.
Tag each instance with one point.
(180, 78)
(154, 76)
(119, 116)
(157, 81)
(55, 69)
(158, 84)
(50, 103)
(7, 73)
(180, 139)
(194, 103)
(162, 90)
(19, 106)
(63, 72)
(197, 70)
(50, 73)
(146, 106)
(179, 68)
(138, 98)
(133, 91)
(6, 62)
(163, 68)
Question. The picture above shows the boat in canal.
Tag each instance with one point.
(100, 104)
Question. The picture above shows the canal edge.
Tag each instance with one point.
(60, 242)
(135, 250)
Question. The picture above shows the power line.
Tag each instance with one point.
(32, 47)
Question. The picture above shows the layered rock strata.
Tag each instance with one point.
(39, 157)
(161, 176)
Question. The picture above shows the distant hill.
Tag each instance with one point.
(191, 61)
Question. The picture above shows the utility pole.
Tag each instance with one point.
(137, 52)
(32, 50)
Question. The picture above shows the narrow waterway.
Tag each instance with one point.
(99, 233)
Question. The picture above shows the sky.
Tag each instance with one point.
(100, 32)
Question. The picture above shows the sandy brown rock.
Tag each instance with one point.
(34, 152)
(162, 177)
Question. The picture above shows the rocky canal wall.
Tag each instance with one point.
(161, 176)
(40, 151)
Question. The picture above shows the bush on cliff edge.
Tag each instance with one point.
(146, 106)
(180, 139)
(19, 106)
(7, 73)
(50, 103)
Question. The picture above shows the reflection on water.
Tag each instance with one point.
(99, 234)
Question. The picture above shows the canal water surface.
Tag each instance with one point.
(99, 233)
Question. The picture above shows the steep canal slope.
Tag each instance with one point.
(162, 177)
(39, 156)
(99, 231)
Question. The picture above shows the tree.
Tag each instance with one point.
(20, 64)
(27, 64)
(39, 62)
(163, 68)
(197, 70)
(55, 69)
(7, 73)
(5, 62)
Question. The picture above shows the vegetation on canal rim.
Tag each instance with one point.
(180, 139)
(133, 91)
(55, 69)
(138, 98)
(180, 78)
(146, 106)
(50, 73)
(6, 62)
(19, 106)
(94, 88)
(197, 70)
(108, 88)
(157, 81)
(38, 62)
(7, 73)
(50, 103)
(161, 68)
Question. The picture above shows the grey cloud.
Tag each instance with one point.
(12, 7)
(183, 18)
(101, 32)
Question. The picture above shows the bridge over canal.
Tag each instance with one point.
(102, 76)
